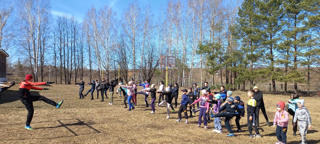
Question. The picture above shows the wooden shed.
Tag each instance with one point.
(3, 65)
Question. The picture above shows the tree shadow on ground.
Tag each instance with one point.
(66, 126)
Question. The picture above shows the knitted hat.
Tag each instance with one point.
(229, 93)
(184, 90)
(29, 77)
(130, 82)
(281, 105)
(237, 98)
(167, 89)
(230, 99)
(147, 85)
(217, 96)
(301, 101)
(204, 92)
(255, 87)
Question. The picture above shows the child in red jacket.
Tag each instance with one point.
(27, 99)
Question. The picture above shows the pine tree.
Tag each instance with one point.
(270, 15)
(250, 37)
(296, 33)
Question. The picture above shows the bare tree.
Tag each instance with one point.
(33, 16)
(131, 27)
(5, 28)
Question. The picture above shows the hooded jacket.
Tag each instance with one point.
(258, 96)
(302, 114)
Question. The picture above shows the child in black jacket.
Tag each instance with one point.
(239, 114)
(251, 115)
(231, 112)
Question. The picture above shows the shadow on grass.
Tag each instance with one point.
(66, 126)
(308, 141)
(13, 95)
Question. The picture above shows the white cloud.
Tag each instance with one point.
(112, 3)
(59, 13)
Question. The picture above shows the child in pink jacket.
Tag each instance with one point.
(204, 108)
(281, 119)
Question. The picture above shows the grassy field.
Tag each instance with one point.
(92, 121)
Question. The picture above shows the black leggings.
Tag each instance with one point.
(250, 126)
(161, 98)
(183, 109)
(175, 100)
(28, 103)
(238, 121)
(125, 100)
(263, 109)
(291, 112)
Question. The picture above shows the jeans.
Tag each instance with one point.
(217, 123)
(129, 102)
(80, 93)
(281, 133)
(227, 116)
(92, 91)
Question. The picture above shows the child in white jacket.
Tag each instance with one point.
(302, 115)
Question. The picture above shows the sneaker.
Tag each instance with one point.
(257, 136)
(205, 127)
(129, 109)
(214, 130)
(133, 108)
(178, 120)
(111, 103)
(278, 142)
(168, 117)
(251, 136)
(198, 125)
(92, 99)
(219, 131)
(28, 127)
(268, 124)
(294, 134)
(230, 135)
(186, 122)
(152, 112)
(59, 104)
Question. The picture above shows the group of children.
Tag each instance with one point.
(217, 105)
(222, 105)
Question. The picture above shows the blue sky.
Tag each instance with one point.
(79, 8)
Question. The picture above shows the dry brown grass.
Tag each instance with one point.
(92, 121)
